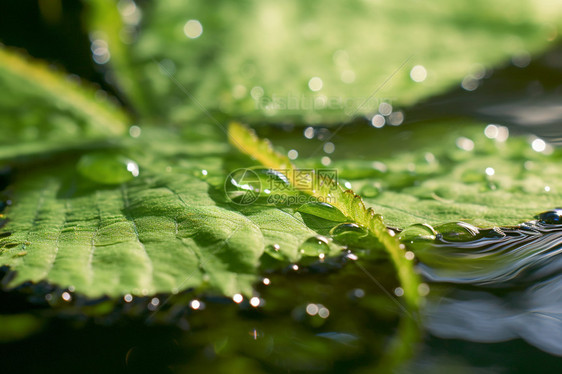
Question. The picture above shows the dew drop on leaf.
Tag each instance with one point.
(315, 246)
(369, 190)
(274, 252)
(419, 232)
(457, 231)
(107, 168)
(243, 186)
(348, 233)
(323, 210)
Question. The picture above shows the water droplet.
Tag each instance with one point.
(255, 302)
(370, 190)
(329, 147)
(323, 312)
(457, 231)
(257, 92)
(352, 256)
(396, 118)
(274, 252)
(378, 121)
(418, 73)
(470, 83)
(107, 168)
(255, 334)
(497, 132)
(323, 210)
(521, 60)
(385, 109)
(243, 186)
(423, 289)
(358, 293)
(538, 145)
(100, 51)
(135, 131)
(193, 29)
(312, 309)
(348, 233)
(128, 298)
(309, 132)
(237, 298)
(315, 84)
(429, 157)
(315, 246)
(551, 217)
(419, 232)
(465, 144)
(66, 296)
(293, 154)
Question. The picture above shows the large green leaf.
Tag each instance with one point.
(168, 229)
(320, 62)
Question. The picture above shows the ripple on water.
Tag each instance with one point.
(514, 278)
(499, 257)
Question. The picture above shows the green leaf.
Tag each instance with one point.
(321, 62)
(168, 229)
(42, 109)
(433, 180)
(346, 201)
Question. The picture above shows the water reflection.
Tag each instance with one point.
(534, 314)
(511, 284)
